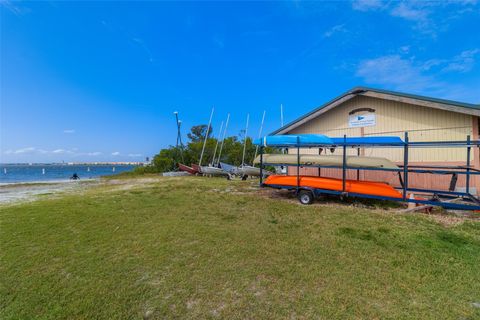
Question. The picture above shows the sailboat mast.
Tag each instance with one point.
(206, 137)
(281, 115)
(260, 133)
(216, 145)
(245, 140)
(223, 138)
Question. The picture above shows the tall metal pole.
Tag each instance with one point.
(223, 138)
(178, 128)
(259, 133)
(281, 126)
(281, 115)
(179, 135)
(206, 137)
(261, 166)
(245, 140)
(216, 145)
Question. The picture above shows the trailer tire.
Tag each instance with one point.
(305, 197)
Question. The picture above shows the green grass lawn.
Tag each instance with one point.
(198, 248)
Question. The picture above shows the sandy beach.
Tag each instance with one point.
(23, 192)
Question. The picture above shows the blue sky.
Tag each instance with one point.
(97, 81)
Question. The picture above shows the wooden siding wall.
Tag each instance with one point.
(394, 118)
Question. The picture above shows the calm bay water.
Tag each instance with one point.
(16, 173)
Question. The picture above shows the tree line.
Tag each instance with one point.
(167, 159)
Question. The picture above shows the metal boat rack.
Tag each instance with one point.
(445, 199)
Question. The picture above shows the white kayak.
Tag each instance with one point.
(329, 161)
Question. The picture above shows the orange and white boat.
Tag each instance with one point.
(351, 186)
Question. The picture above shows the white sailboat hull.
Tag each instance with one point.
(251, 171)
(214, 171)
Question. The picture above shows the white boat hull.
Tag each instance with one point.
(214, 171)
(330, 160)
(251, 171)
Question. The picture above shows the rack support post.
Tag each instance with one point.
(467, 182)
(358, 171)
(344, 163)
(298, 163)
(405, 167)
(261, 166)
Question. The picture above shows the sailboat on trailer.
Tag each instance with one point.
(245, 170)
(210, 169)
(228, 168)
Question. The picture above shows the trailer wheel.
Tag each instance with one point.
(305, 197)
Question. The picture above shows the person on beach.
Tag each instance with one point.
(75, 177)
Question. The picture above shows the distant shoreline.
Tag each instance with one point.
(54, 173)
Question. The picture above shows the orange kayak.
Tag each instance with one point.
(351, 186)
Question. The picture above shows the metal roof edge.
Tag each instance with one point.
(420, 97)
(361, 89)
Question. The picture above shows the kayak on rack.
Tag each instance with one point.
(328, 161)
(351, 186)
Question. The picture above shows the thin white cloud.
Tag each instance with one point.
(59, 151)
(96, 153)
(129, 36)
(396, 72)
(69, 131)
(116, 153)
(134, 155)
(408, 12)
(62, 151)
(405, 49)
(25, 150)
(218, 41)
(432, 63)
(421, 14)
(335, 29)
(409, 74)
(13, 7)
(367, 5)
(145, 48)
(463, 62)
